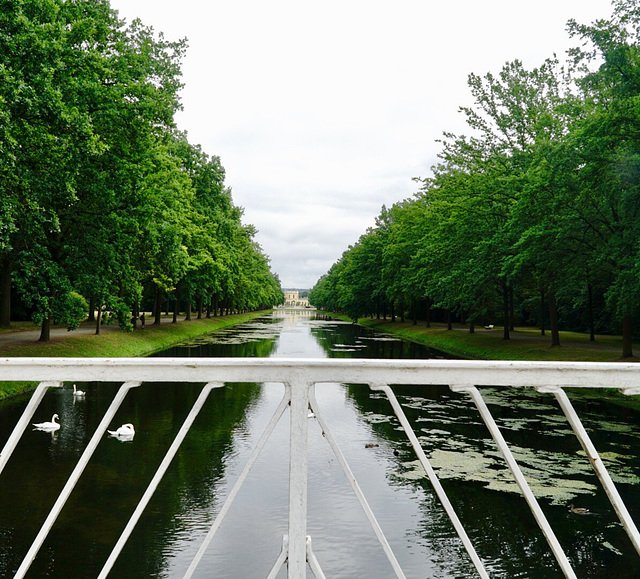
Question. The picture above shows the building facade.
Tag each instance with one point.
(292, 299)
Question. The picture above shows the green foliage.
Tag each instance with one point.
(100, 195)
(541, 198)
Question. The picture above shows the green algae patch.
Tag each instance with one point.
(486, 470)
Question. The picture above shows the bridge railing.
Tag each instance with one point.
(300, 378)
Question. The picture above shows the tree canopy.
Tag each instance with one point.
(537, 208)
(104, 204)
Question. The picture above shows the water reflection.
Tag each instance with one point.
(233, 418)
(116, 477)
(341, 339)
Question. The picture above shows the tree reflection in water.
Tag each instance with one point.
(211, 457)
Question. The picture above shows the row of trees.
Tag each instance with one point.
(103, 202)
(538, 209)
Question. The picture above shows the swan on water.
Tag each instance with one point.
(53, 425)
(78, 392)
(125, 431)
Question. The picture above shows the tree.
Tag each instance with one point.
(608, 154)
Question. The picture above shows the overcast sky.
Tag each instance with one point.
(321, 112)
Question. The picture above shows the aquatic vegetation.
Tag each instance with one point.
(609, 546)
(492, 472)
(448, 429)
(378, 418)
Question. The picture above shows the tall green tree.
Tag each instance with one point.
(608, 154)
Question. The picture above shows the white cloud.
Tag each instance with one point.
(322, 112)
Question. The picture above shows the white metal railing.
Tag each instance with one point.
(300, 377)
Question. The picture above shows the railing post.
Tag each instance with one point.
(298, 442)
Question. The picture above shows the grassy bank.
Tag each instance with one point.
(525, 343)
(111, 342)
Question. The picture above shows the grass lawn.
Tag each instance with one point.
(111, 342)
(524, 343)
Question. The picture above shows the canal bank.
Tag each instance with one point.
(377, 449)
(488, 344)
(110, 343)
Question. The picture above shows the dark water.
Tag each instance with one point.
(246, 546)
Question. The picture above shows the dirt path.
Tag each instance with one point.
(24, 336)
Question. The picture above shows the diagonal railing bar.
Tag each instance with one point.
(73, 478)
(313, 562)
(25, 419)
(596, 462)
(284, 403)
(520, 479)
(356, 487)
(282, 557)
(155, 481)
(433, 478)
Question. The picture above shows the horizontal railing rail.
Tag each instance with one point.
(300, 378)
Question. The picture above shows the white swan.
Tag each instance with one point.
(50, 426)
(78, 392)
(125, 431)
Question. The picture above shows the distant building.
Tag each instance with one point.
(292, 299)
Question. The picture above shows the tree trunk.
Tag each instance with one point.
(542, 312)
(592, 327)
(98, 320)
(187, 310)
(505, 311)
(157, 305)
(200, 307)
(215, 305)
(45, 329)
(5, 293)
(627, 336)
(512, 315)
(553, 320)
(92, 310)
(176, 305)
(393, 312)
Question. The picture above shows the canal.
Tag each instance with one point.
(213, 454)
